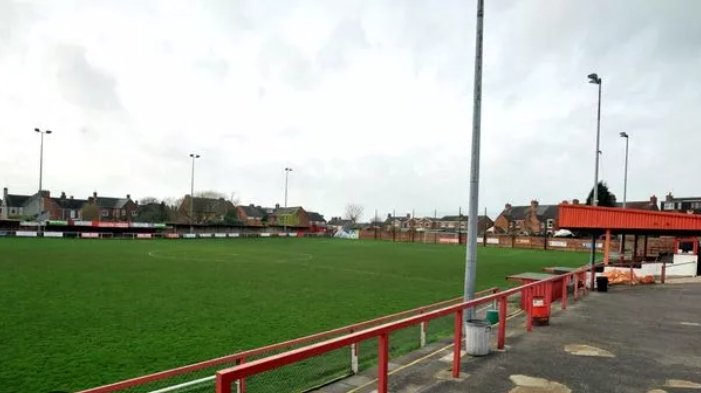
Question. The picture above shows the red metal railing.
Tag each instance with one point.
(242, 357)
(225, 378)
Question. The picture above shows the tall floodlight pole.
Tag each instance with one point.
(625, 171)
(595, 79)
(625, 190)
(471, 254)
(192, 191)
(287, 173)
(41, 155)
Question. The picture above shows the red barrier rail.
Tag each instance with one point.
(225, 378)
(241, 357)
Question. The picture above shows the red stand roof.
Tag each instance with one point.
(594, 218)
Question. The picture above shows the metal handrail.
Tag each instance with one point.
(225, 378)
(243, 355)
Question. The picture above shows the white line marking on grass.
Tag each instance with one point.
(309, 257)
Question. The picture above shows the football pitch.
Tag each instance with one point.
(81, 313)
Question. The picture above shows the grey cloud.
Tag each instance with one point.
(348, 36)
(84, 84)
(281, 61)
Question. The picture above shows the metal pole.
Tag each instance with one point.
(471, 257)
(625, 176)
(595, 196)
(287, 172)
(41, 160)
(192, 191)
(595, 191)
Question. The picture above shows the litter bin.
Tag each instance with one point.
(477, 335)
(602, 284)
(540, 311)
(493, 316)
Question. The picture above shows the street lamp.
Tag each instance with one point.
(192, 191)
(287, 173)
(595, 79)
(625, 189)
(471, 244)
(41, 155)
(625, 171)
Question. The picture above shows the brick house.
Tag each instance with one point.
(397, 222)
(317, 222)
(13, 205)
(113, 209)
(459, 223)
(533, 219)
(295, 217)
(205, 210)
(684, 205)
(251, 215)
(67, 208)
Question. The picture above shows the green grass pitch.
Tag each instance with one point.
(80, 313)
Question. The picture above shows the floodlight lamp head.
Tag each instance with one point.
(594, 78)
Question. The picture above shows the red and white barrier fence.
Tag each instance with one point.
(227, 378)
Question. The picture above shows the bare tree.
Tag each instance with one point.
(147, 200)
(210, 194)
(353, 212)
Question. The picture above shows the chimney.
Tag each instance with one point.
(534, 203)
(389, 215)
(408, 215)
(669, 197)
(251, 205)
(575, 201)
(70, 197)
(94, 194)
(45, 193)
(4, 194)
(653, 200)
(507, 206)
(277, 206)
(63, 195)
(128, 196)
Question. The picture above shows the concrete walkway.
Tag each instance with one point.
(631, 339)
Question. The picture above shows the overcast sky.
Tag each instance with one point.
(368, 101)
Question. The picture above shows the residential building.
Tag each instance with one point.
(533, 219)
(459, 223)
(114, 209)
(153, 212)
(67, 208)
(13, 205)
(338, 223)
(650, 204)
(397, 222)
(251, 215)
(205, 210)
(684, 205)
(317, 223)
(295, 217)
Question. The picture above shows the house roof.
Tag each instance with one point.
(72, 204)
(112, 203)
(682, 199)
(287, 210)
(544, 212)
(639, 205)
(336, 221)
(461, 218)
(14, 200)
(316, 217)
(253, 211)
